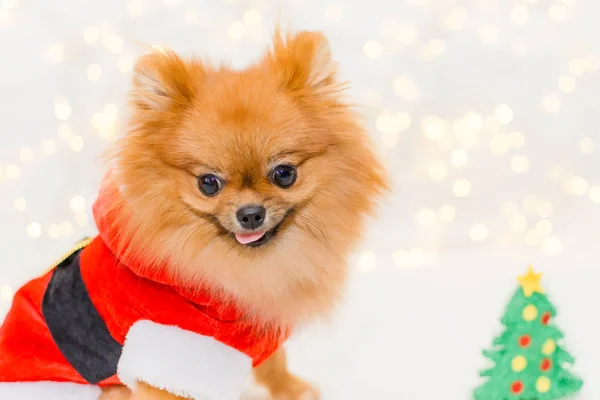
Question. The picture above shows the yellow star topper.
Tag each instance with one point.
(530, 282)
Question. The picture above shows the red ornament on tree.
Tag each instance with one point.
(546, 365)
(516, 387)
(546, 318)
(524, 341)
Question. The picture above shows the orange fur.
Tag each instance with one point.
(189, 118)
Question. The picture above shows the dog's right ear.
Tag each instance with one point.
(162, 81)
(303, 62)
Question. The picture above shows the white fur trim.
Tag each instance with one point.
(48, 391)
(182, 362)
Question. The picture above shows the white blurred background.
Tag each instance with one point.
(486, 111)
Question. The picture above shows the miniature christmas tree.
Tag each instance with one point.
(530, 363)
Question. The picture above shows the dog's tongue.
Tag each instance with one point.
(245, 238)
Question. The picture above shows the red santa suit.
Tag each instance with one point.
(99, 319)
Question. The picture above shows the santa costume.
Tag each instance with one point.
(99, 319)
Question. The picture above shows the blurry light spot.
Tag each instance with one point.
(479, 233)
(510, 208)
(517, 140)
(462, 188)
(367, 261)
(34, 230)
(113, 43)
(94, 72)
(334, 12)
(566, 84)
(552, 246)
(520, 164)
(488, 34)
(48, 147)
(66, 229)
(492, 124)
(500, 143)
(504, 114)
(76, 143)
(402, 258)
(578, 186)
(252, 17)
(531, 203)
(390, 139)
(434, 127)
(474, 121)
(558, 13)
(236, 30)
(12, 171)
(438, 171)
(81, 219)
(595, 194)
(54, 231)
(544, 210)
(64, 131)
(9, 3)
(416, 255)
(447, 213)
(460, 158)
(518, 224)
(551, 104)
(406, 89)
(577, 66)
(426, 218)
(26, 154)
(519, 15)
(586, 145)
(544, 227)
(135, 7)
(62, 111)
(77, 204)
(91, 34)
(406, 35)
(191, 17)
(55, 53)
(6, 292)
(532, 238)
(433, 49)
(457, 19)
(125, 64)
(20, 204)
(373, 49)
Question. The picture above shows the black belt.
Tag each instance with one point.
(75, 325)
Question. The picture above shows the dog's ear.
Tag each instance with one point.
(303, 61)
(162, 81)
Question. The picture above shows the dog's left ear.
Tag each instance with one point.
(303, 62)
(162, 81)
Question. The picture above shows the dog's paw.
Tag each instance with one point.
(297, 389)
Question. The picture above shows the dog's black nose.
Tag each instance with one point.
(251, 217)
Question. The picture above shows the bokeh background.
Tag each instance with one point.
(486, 112)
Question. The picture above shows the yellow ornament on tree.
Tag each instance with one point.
(530, 312)
(519, 363)
(549, 347)
(543, 384)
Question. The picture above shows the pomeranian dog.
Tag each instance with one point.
(246, 189)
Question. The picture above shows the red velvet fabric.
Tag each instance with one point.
(123, 292)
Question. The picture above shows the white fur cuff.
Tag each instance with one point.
(48, 391)
(182, 362)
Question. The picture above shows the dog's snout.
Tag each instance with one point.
(251, 217)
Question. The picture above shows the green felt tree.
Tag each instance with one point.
(529, 360)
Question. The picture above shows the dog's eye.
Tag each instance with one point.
(284, 176)
(209, 184)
